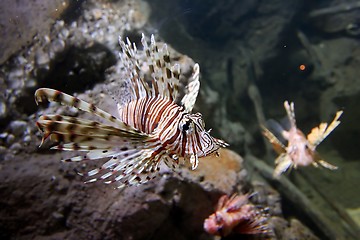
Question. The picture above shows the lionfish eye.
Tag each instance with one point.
(186, 126)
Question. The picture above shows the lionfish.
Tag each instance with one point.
(236, 215)
(300, 150)
(151, 127)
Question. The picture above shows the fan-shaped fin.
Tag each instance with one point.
(318, 134)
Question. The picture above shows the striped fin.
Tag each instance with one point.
(134, 158)
(129, 59)
(78, 126)
(80, 134)
(70, 142)
(43, 94)
(290, 112)
(282, 163)
(278, 146)
(128, 168)
(318, 134)
(165, 78)
(192, 89)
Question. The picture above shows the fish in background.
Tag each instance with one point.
(151, 127)
(294, 148)
(236, 215)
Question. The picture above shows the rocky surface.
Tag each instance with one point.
(45, 199)
(20, 21)
(256, 45)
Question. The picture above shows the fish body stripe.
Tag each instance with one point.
(162, 116)
(150, 128)
(145, 114)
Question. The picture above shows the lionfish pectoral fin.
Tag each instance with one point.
(258, 225)
(318, 134)
(278, 128)
(222, 202)
(51, 95)
(194, 161)
(43, 139)
(283, 163)
(128, 166)
(45, 134)
(77, 134)
(278, 146)
(236, 202)
(171, 162)
(325, 164)
(319, 161)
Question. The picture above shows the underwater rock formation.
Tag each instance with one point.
(21, 20)
(45, 198)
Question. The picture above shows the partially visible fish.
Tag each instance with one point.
(236, 215)
(299, 150)
(151, 126)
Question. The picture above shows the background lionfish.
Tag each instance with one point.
(150, 128)
(300, 150)
(236, 215)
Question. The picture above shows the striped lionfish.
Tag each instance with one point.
(151, 126)
(300, 150)
(236, 215)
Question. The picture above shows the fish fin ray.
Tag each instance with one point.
(43, 94)
(282, 164)
(318, 134)
(290, 110)
(278, 146)
(134, 169)
(165, 78)
(192, 90)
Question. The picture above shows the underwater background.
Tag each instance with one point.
(253, 55)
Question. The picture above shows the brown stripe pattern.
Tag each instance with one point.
(151, 126)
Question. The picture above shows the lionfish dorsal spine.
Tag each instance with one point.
(164, 77)
(192, 89)
(290, 113)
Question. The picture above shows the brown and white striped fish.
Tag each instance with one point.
(151, 126)
(294, 148)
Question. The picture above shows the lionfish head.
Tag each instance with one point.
(198, 140)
